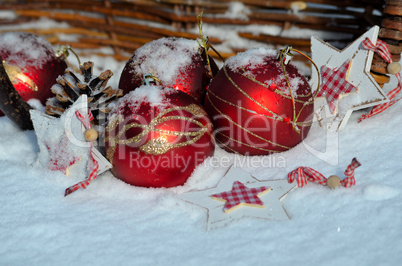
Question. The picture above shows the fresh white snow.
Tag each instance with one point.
(112, 223)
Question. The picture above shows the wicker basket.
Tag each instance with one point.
(123, 26)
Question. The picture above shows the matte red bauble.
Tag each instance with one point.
(31, 64)
(156, 136)
(254, 110)
(176, 62)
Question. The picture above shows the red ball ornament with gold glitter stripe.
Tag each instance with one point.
(156, 136)
(260, 103)
(31, 64)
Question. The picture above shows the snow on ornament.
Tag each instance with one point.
(240, 195)
(176, 62)
(156, 136)
(346, 81)
(31, 64)
(63, 146)
(256, 109)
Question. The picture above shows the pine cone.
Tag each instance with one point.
(69, 87)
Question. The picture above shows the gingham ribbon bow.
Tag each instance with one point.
(382, 49)
(304, 174)
(86, 121)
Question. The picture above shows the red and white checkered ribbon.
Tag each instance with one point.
(382, 49)
(86, 121)
(334, 84)
(304, 174)
(240, 194)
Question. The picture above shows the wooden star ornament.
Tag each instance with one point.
(334, 84)
(62, 143)
(239, 195)
(346, 83)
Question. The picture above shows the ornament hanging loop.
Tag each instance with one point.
(150, 79)
(285, 55)
(64, 51)
(205, 44)
(284, 58)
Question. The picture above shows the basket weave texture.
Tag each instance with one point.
(124, 26)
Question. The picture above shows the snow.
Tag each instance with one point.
(24, 49)
(250, 62)
(252, 58)
(236, 10)
(112, 223)
(161, 59)
(154, 95)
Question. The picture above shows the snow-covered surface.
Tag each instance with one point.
(112, 223)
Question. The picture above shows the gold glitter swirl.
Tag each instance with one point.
(16, 75)
(160, 145)
(156, 146)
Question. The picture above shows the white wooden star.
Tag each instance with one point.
(270, 210)
(368, 91)
(62, 143)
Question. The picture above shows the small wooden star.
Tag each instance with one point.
(334, 84)
(240, 195)
(59, 158)
(367, 92)
(271, 208)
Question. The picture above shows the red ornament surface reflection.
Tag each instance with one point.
(252, 110)
(31, 79)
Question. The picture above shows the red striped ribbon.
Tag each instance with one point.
(382, 49)
(86, 121)
(304, 174)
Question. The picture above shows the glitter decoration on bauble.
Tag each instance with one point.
(177, 63)
(256, 107)
(31, 64)
(156, 136)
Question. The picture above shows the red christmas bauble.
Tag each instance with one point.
(176, 62)
(156, 136)
(251, 106)
(31, 64)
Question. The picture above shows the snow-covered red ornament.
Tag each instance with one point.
(176, 62)
(31, 64)
(256, 109)
(156, 136)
